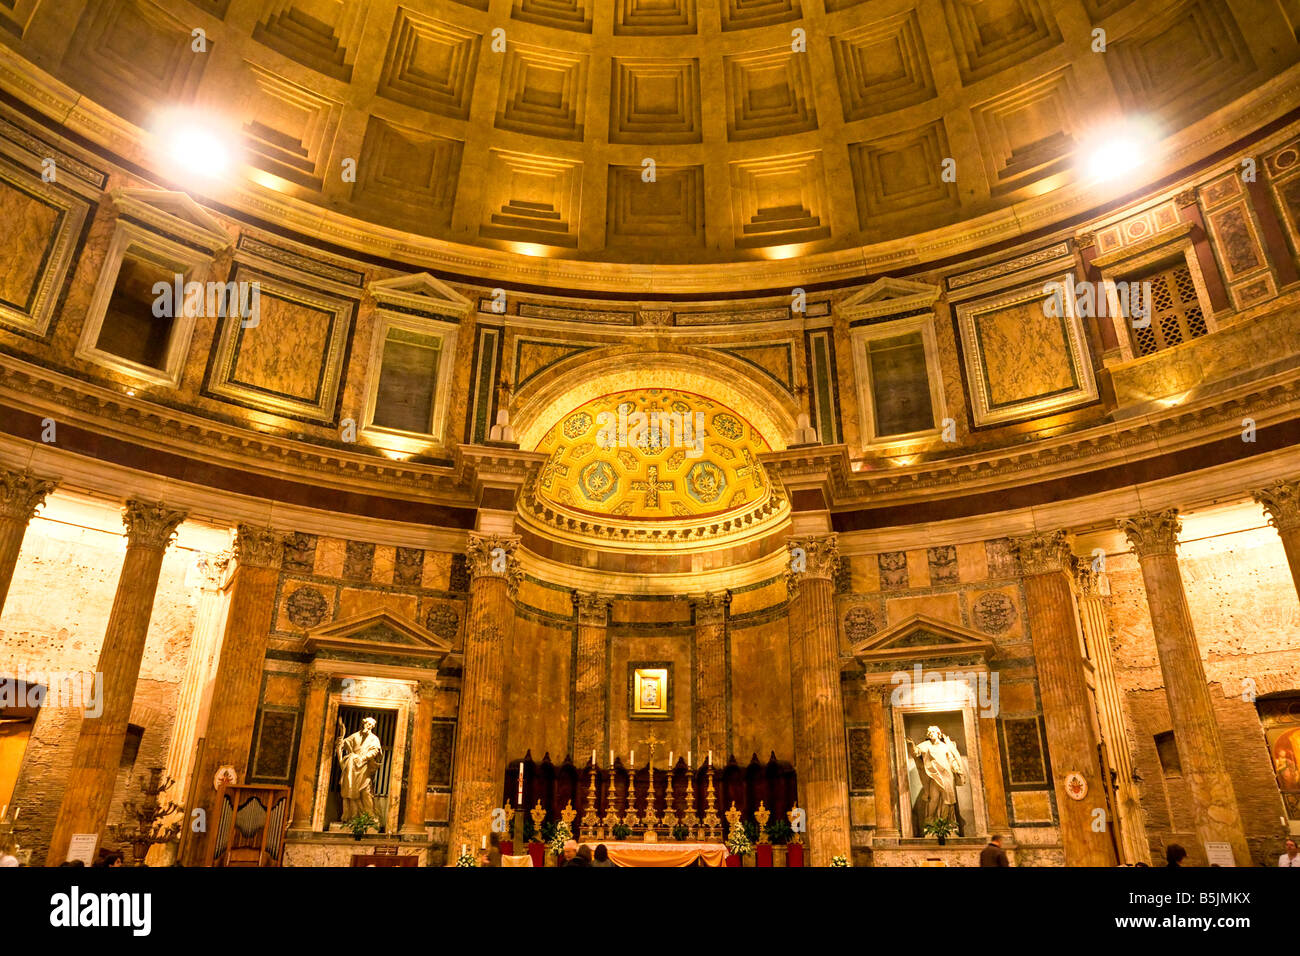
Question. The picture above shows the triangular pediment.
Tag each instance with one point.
(887, 296)
(378, 631)
(920, 637)
(421, 292)
(175, 213)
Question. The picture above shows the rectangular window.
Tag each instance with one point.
(900, 385)
(130, 330)
(408, 381)
(1176, 313)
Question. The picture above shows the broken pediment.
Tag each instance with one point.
(920, 637)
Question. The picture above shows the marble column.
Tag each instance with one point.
(21, 493)
(1154, 537)
(1281, 502)
(880, 728)
(309, 750)
(995, 788)
(710, 691)
(417, 774)
(591, 684)
(150, 527)
(1046, 562)
(211, 575)
(479, 767)
(237, 688)
(820, 758)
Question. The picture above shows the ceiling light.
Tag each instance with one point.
(1113, 151)
(193, 144)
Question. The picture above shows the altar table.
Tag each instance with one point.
(669, 853)
(524, 860)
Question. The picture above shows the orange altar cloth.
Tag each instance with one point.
(664, 854)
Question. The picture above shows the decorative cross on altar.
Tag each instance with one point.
(651, 742)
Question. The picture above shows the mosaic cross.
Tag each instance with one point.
(652, 486)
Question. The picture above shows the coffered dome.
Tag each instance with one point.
(658, 131)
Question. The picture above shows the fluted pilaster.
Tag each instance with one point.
(711, 672)
(21, 493)
(1154, 537)
(480, 751)
(150, 527)
(417, 774)
(820, 758)
(1046, 562)
(591, 680)
(309, 749)
(879, 718)
(237, 686)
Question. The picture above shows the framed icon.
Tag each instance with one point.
(650, 690)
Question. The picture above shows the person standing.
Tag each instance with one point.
(993, 854)
(1174, 855)
(1291, 858)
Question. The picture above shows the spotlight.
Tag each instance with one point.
(194, 145)
(1118, 149)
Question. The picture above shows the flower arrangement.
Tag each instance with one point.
(739, 843)
(941, 828)
(839, 861)
(466, 859)
(562, 836)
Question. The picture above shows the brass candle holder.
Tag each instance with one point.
(538, 813)
(611, 813)
(651, 819)
(690, 818)
(670, 811)
(629, 815)
(590, 821)
(711, 819)
(761, 816)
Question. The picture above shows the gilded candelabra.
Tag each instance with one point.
(761, 816)
(670, 811)
(690, 819)
(651, 819)
(711, 820)
(611, 814)
(590, 821)
(147, 828)
(629, 816)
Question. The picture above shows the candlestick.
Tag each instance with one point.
(629, 816)
(670, 760)
(462, 849)
(519, 797)
(593, 756)
(611, 758)
(690, 819)
(611, 813)
(483, 843)
(710, 758)
(688, 759)
(711, 819)
(589, 819)
(632, 759)
(650, 818)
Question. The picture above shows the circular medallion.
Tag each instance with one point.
(994, 613)
(307, 607)
(1075, 785)
(225, 777)
(443, 621)
(860, 623)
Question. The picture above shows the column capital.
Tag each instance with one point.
(1281, 500)
(150, 524)
(425, 690)
(494, 556)
(592, 607)
(814, 556)
(318, 682)
(21, 493)
(711, 607)
(1090, 581)
(1044, 552)
(213, 569)
(1152, 533)
(258, 547)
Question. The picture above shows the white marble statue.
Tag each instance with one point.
(943, 770)
(358, 758)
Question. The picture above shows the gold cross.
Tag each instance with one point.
(651, 741)
(652, 486)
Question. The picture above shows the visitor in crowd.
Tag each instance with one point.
(1175, 854)
(602, 857)
(1292, 856)
(993, 854)
(7, 849)
(80, 863)
(584, 856)
(572, 857)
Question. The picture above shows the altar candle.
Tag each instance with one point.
(519, 799)
(483, 844)
(462, 849)
(710, 758)
(670, 760)
(688, 758)
(611, 757)
(593, 756)
(632, 759)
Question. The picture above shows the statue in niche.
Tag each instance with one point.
(942, 769)
(358, 758)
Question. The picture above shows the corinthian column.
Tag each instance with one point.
(149, 530)
(21, 493)
(478, 772)
(820, 758)
(1046, 563)
(238, 684)
(591, 684)
(1196, 731)
(711, 672)
(1281, 502)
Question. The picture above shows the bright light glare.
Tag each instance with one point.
(197, 149)
(1117, 150)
